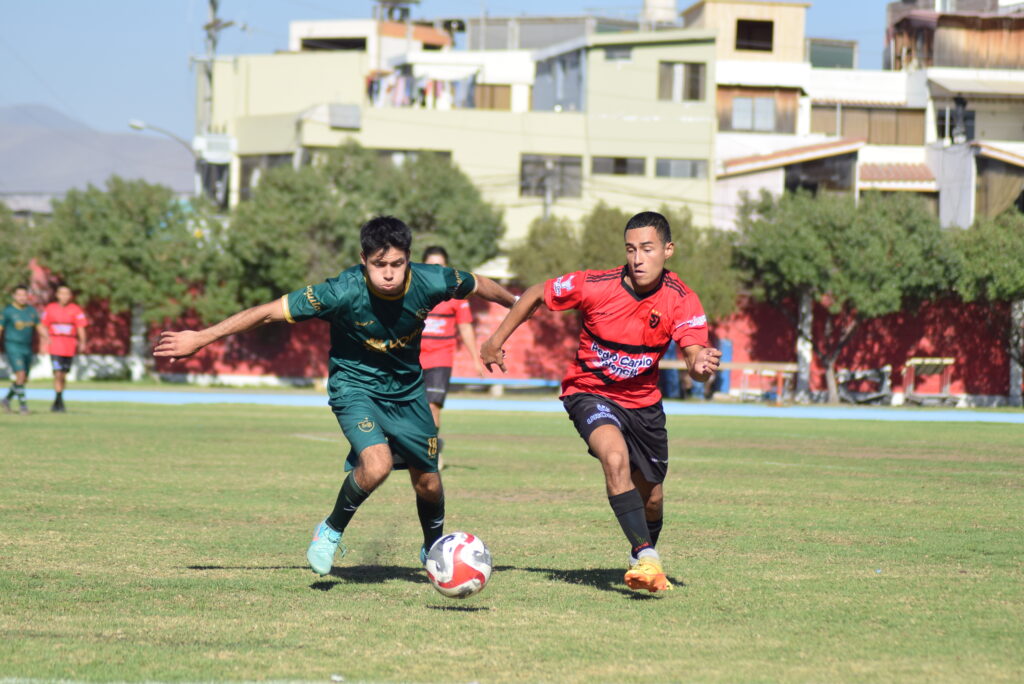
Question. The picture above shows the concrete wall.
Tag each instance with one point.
(728, 191)
(288, 83)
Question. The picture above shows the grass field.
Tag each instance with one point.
(167, 543)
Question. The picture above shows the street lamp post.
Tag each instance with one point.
(139, 125)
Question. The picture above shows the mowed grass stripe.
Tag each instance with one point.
(150, 543)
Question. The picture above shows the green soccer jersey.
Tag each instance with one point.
(375, 338)
(18, 324)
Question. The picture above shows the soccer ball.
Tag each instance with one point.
(458, 565)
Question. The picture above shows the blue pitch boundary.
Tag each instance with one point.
(689, 408)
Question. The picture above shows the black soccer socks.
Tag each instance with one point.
(349, 499)
(629, 509)
(431, 519)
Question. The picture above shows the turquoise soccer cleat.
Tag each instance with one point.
(320, 553)
(423, 555)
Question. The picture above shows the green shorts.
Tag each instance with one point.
(19, 358)
(406, 426)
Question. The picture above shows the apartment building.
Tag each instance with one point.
(946, 123)
(627, 117)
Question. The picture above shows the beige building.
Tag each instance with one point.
(765, 31)
(628, 118)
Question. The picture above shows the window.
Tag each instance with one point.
(681, 81)
(618, 166)
(877, 125)
(754, 35)
(753, 114)
(943, 132)
(835, 174)
(681, 168)
(493, 96)
(540, 173)
(618, 53)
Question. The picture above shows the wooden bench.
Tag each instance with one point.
(918, 367)
(782, 372)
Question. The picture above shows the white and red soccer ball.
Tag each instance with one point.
(458, 565)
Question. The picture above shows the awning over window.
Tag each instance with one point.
(944, 86)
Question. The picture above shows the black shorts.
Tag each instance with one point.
(436, 381)
(61, 364)
(642, 428)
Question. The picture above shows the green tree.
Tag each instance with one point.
(302, 225)
(442, 206)
(861, 263)
(990, 255)
(601, 237)
(133, 246)
(18, 240)
(703, 258)
(550, 249)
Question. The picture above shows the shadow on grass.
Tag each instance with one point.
(604, 579)
(460, 609)
(370, 574)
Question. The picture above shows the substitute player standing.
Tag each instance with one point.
(65, 322)
(610, 390)
(17, 322)
(376, 312)
(448, 321)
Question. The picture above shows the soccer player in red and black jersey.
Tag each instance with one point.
(629, 316)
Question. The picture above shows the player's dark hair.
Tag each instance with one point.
(19, 287)
(435, 249)
(382, 232)
(654, 220)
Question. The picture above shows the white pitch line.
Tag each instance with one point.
(316, 438)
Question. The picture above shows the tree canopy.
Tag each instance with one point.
(990, 255)
(302, 225)
(703, 256)
(551, 248)
(861, 262)
(18, 240)
(990, 258)
(132, 245)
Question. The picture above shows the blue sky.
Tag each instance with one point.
(107, 61)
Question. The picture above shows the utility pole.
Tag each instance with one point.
(214, 177)
(213, 27)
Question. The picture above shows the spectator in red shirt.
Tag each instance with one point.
(65, 325)
(610, 391)
(447, 322)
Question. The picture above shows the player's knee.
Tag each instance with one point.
(372, 475)
(428, 486)
(654, 505)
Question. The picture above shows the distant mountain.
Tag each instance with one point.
(44, 153)
(38, 116)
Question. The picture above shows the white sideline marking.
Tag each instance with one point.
(312, 438)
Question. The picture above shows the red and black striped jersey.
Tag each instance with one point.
(624, 334)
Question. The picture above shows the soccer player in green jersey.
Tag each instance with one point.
(376, 311)
(17, 322)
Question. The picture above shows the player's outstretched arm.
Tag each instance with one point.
(491, 353)
(702, 361)
(177, 345)
(493, 292)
